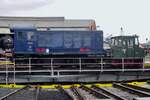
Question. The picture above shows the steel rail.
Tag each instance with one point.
(14, 92)
(137, 87)
(37, 92)
(78, 94)
(64, 92)
(111, 94)
(26, 64)
(144, 98)
(95, 92)
(86, 58)
(132, 90)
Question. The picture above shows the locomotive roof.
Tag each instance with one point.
(45, 22)
(127, 36)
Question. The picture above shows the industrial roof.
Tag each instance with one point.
(44, 22)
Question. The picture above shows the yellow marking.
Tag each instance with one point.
(48, 86)
(88, 85)
(137, 83)
(6, 63)
(76, 85)
(66, 86)
(69, 86)
(104, 85)
(11, 86)
(53, 86)
(147, 65)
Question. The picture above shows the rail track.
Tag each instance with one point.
(132, 89)
(20, 94)
(111, 94)
(118, 91)
(49, 94)
(95, 93)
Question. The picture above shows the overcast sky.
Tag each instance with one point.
(110, 15)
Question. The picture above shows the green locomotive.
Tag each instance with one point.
(126, 50)
(126, 46)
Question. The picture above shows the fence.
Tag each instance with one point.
(55, 67)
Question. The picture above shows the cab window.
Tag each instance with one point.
(136, 41)
(124, 43)
(30, 36)
(20, 36)
(112, 42)
(120, 42)
(131, 43)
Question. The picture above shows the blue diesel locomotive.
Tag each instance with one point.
(34, 43)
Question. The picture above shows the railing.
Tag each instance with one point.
(71, 66)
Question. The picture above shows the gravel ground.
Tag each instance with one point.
(87, 95)
(27, 94)
(51, 95)
(121, 93)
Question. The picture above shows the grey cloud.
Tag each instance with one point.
(19, 5)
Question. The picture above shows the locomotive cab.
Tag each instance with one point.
(125, 49)
(126, 46)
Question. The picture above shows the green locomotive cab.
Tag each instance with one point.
(126, 47)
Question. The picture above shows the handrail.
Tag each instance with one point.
(79, 65)
(85, 58)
